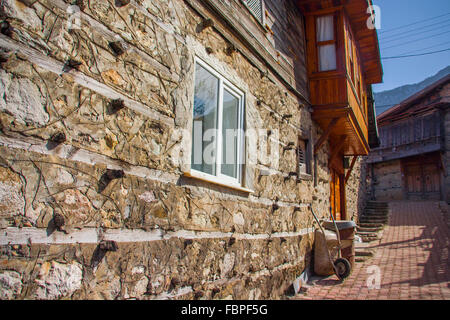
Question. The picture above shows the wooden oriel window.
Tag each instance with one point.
(358, 83)
(326, 43)
(350, 57)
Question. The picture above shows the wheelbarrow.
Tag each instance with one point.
(341, 266)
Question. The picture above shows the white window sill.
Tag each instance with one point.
(208, 178)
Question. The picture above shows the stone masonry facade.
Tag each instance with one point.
(150, 232)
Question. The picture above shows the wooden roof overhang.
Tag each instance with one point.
(339, 124)
(367, 39)
(412, 105)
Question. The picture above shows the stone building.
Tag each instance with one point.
(172, 149)
(413, 159)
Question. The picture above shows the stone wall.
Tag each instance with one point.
(176, 237)
(357, 189)
(387, 181)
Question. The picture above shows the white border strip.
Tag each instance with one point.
(87, 157)
(92, 158)
(15, 235)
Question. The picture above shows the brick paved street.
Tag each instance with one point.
(412, 256)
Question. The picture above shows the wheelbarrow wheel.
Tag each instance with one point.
(343, 268)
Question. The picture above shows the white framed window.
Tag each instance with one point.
(218, 128)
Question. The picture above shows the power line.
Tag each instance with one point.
(415, 55)
(415, 40)
(438, 45)
(414, 34)
(409, 31)
(413, 23)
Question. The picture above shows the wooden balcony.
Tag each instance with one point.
(337, 108)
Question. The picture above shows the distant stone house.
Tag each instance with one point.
(413, 159)
(172, 149)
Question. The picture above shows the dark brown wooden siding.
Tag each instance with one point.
(412, 130)
(277, 42)
(289, 37)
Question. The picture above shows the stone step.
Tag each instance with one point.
(361, 259)
(375, 216)
(373, 220)
(383, 223)
(371, 225)
(363, 253)
(376, 210)
(366, 233)
(364, 216)
(377, 207)
(368, 229)
(369, 205)
(369, 239)
(375, 213)
(377, 203)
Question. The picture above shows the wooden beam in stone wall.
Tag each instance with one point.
(14, 235)
(55, 66)
(325, 135)
(349, 172)
(336, 149)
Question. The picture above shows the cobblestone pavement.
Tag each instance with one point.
(412, 260)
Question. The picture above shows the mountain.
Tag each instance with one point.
(387, 99)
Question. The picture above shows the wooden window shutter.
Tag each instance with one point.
(417, 129)
(256, 7)
(427, 127)
(302, 157)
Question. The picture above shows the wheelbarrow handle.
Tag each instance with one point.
(337, 233)
(328, 251)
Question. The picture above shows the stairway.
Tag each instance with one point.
(369, 227)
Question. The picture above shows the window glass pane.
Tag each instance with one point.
(349, 46)
(327, 57)
(230, 123)
(205, 121)
(325, 28)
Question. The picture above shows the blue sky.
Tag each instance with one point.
(430, 35)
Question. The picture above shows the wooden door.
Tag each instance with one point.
(422, 179)
(336, 195)
(431, 182)
(414, 182)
